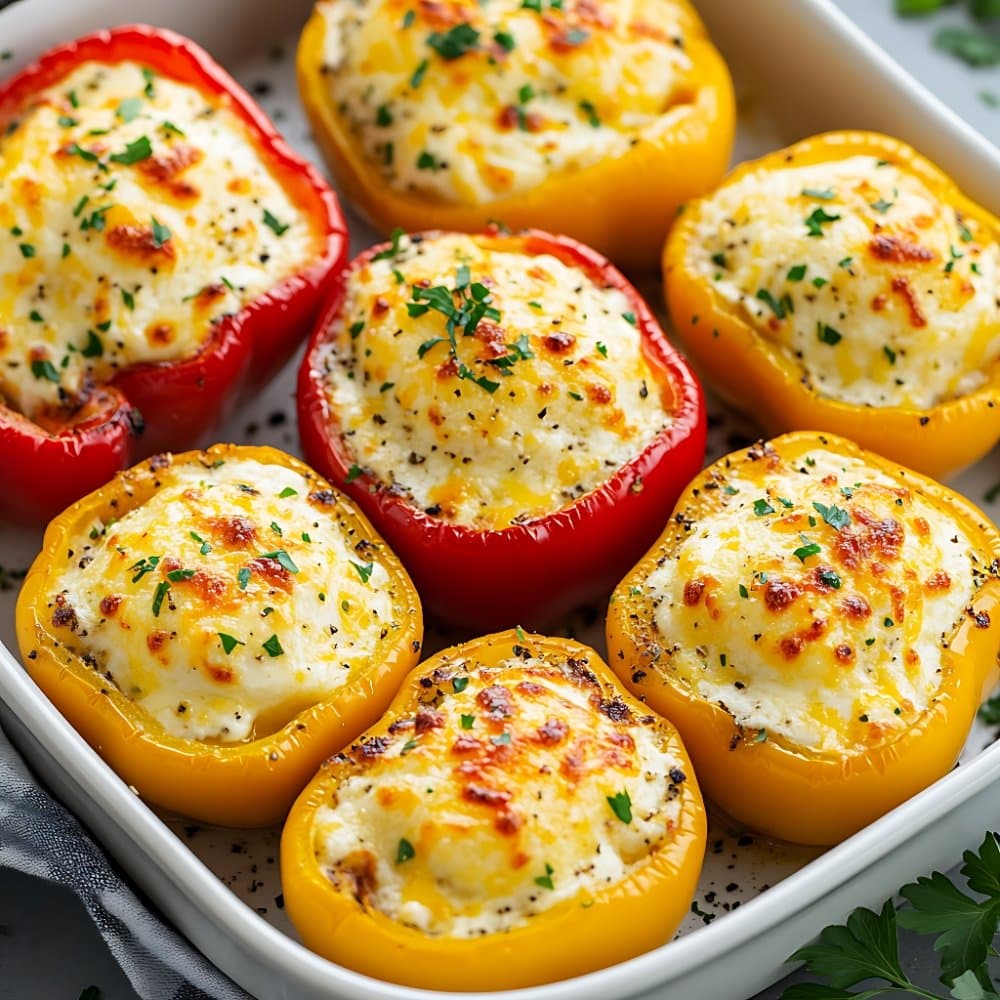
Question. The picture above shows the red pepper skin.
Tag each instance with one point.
(531, 572)
(180, 402)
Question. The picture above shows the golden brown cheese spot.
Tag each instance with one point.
(137, 244)
(164, 171)
(825, 603)
(234, 532)
(509, 785)
(899, 249)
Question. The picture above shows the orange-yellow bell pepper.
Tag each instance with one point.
(840, 605)
(758, 375)
(487, 787)
(249, 782)
(622, 205)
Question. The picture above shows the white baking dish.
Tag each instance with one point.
(800, 68)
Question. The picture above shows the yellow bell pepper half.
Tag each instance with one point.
(821, 625)
(621, 205)
(514, 819)
(890, 307)
(165, 608)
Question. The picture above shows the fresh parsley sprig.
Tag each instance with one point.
(866, 947)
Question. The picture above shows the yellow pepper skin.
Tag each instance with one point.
(500, 807)
(755, 375)
(809, 794)
(621, 206)
(245, 784)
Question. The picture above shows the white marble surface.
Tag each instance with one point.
(49, 951)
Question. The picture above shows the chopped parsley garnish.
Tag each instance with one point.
(134, 152)
(827, 335)
(780, 307)
(287, 492)
(276, 528)
(419, 73)
(149, 76)
(36, 317)
(426, 161)
(44, 370)
(128, 299)
(845, 263)
(545, 881)
(797, 273)
(828, 577)
(273, 646)
(826, 194)
(882, 205)
(630, 318)
(27, 250)
(162, 588)
(408, 18)
(455, 42)
(505, 40)
(818, 219)
(355, 329)
(806, 549)
(744, 593)
(762, 507)
(761, 736)
(834, 516)
(468, 721)
(602, 349)
(575, 36)
(383, 116)
(890, 354)
(409, 745)
(575, 395)
(205, 546)
(144, 566)
(393, 250)
(500, 741)
(128, 110)
(85, 154)
(171, 127)
(229, 643)
(364, 570)
(276, 227)
(161, 234)
(66, 122)
(283, 559)
(593, 119)
(353, 472)
(819, 282)
(405, 851)
(459, 684)
(463, 315)
(621, 806)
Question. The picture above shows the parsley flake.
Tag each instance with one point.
(621, 806)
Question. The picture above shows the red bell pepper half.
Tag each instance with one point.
(529, 572)
(52, 462)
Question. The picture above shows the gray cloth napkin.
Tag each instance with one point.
(39, 837)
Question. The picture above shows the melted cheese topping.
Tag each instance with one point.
(812, 601)
(882, 294)
(133, 216)
(230, 601)
(548, 396)
(490, 804)
(468, 103)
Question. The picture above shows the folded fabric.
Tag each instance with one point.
(40, 837)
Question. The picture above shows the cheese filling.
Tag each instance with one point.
(135, 213)
(491, 804)
(813, 601)
(882, 294)
(230, 601)
(545, 394)
(470, 103)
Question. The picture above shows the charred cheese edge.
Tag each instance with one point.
(544, 398)
(882, 294)
(135, 213)
(811, 600)
(489, 804)
(469, 103)
(234, 598)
